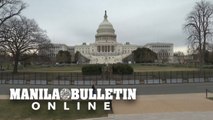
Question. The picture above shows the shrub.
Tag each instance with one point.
(95, 69)
(122, 69)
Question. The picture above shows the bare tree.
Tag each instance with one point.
(163, 56)
(180, 57)
(22, 36)
(9, 9)
(199, 27)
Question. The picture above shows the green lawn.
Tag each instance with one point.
(136, 67)
(71, 68)
(20, 110)
(145, 68)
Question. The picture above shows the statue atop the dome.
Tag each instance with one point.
(105, 16)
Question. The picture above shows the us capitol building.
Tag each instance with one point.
(106, 49)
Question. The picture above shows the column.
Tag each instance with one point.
(100, 48)
(110, 48)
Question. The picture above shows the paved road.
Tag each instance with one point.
(161, 116)
(141, 89)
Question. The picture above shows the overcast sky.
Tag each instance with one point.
(139, 22)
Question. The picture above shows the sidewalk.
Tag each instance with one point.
(167, 116)
(195, 102)
(160, 116)
(163, 107)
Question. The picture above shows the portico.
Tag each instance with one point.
(105, 48)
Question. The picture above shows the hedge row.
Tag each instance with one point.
(93, 69)
(122, 69)
(96, 69)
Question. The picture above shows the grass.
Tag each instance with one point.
(136, 67)
(71, 68)
(155, 68)
(20, 110)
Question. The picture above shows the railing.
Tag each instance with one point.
(137, 78)
(209, 94)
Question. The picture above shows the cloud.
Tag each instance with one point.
(137, 21)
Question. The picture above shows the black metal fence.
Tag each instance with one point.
(209, 94)
(66, 78)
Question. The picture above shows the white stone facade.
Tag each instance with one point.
(106, 49)
(159, 47)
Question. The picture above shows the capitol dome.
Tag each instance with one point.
(105, 31)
